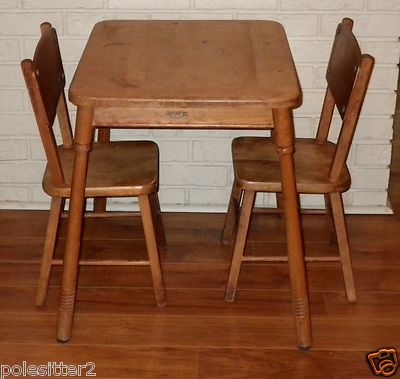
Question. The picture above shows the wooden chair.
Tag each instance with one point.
(116, 169)
(320, 164)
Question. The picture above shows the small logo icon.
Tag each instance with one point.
(383, 362)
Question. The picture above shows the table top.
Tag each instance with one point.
(196, 62)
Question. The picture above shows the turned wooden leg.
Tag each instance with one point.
(343, 243)
(83, 141)
(57, 205)
(152, 249)
(158, 220)
(284, 136)
(240, 244)
(232, 214)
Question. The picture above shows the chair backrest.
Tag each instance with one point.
(45, 80)
(347, 76)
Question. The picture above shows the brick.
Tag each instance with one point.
(174, 151)
(383, 5)
(126, 15)
(306, 76)
(374, 129)
(62, 4)
(268, 200)
(27, 23)
(21, 172)
(312, 201)
(365, 25)
(13, 149)
(37, 150)
(71, 50)
(302, 127)
(375, 104)
(28, 47)
(373, 154)
(379, 103)
(312, 103)
(39, 196)
(170, 133)
(144, 5)
(235, 4)
(11, 100)
(212, 151)
(384, 78)
(308, 51)
(193, 175)
(335, 127)
(17, 125)
(369, 178)
(128, 134)
(191, 16)
(69, 70)
(9, 50)
(209, 196)
(171, 196)
(13, 193)
(295, 25)
(194, 134)
(119, 203)
(347, 200)
(383, 51)
(81, 24)
(11, 75)
(319, 80)
(365, 198)
(367, 129)
(328, 5)
(237, 133)
(8, 4)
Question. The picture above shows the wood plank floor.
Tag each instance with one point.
(198, 335)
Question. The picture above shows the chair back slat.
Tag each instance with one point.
(343, 66)
(326, 117)
(352, 115)
(347, 76)
(64, 122)
(45, 81)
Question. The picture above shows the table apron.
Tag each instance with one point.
(200, 117)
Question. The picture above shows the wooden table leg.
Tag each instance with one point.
(100, 203)
(83, 142)
(284, 138)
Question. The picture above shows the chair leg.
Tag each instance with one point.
(279, 204)
(343, 243)
(57, 205)
(100, 204)
(152, 249)
(232, 213)
(158, 221)
(329, 218)
(240, 243)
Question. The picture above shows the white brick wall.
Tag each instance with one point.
(195, 165)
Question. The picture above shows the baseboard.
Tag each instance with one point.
(181, 208)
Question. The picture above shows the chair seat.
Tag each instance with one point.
(256, 166)
(123, 168)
